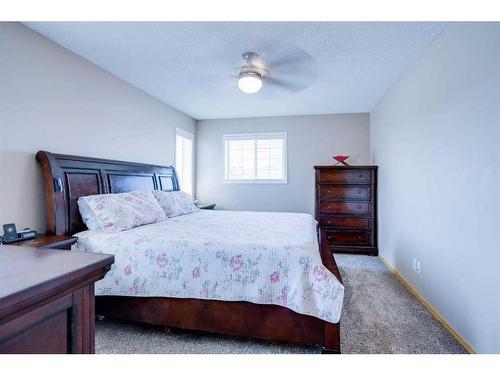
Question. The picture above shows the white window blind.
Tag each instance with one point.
(184, 159)
(257, 157)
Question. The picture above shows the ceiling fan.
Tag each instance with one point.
(255, 72)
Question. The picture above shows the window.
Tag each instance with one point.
(184, 159)
(255, 158)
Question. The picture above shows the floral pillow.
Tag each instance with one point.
(186, 202)
(168, 203)
(175, 203)
(118, 212)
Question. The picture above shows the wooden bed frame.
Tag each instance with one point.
(68, 177)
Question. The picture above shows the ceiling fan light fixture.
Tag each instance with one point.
(249, 82)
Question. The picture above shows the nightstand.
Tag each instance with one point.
(47, 302)
(48, 241)
(209, 206)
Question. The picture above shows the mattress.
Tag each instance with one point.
(258, 257)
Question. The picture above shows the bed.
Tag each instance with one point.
(211, 252)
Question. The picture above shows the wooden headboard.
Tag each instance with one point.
(68, 177)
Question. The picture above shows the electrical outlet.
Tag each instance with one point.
(416, 265)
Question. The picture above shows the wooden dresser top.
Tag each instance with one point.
(346, 167)
(25, 270)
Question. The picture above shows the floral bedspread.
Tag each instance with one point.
(259, 257)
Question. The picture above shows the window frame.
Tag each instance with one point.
(256, 136)
(188, 135)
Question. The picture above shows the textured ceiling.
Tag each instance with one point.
(333, 67)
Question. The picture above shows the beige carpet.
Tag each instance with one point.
(379, 316)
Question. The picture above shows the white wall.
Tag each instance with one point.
(312, 140)
(436, 139)
(54, 100)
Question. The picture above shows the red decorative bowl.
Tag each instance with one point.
(341, 158)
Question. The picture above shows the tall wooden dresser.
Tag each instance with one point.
(346, 208)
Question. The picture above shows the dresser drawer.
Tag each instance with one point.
(360, 208)
(345, 177)
(345, 222)
(360, 238)
(344, 192)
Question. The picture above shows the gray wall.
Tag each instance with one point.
(436, 138)
(312, 140)
(54, 100)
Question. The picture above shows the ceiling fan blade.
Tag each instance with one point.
(287, 61)
(294, 69)
(284, 84)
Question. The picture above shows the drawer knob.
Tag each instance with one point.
(360, 176)
(329, 237)
(359, 207)
(359, 191)
(359, 237)
(328, 191)
(329, 222)
(359, 222)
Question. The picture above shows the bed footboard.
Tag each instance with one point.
(245, 319)
(331, 343)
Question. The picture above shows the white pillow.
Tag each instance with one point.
(175, 203)
(117, 212)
